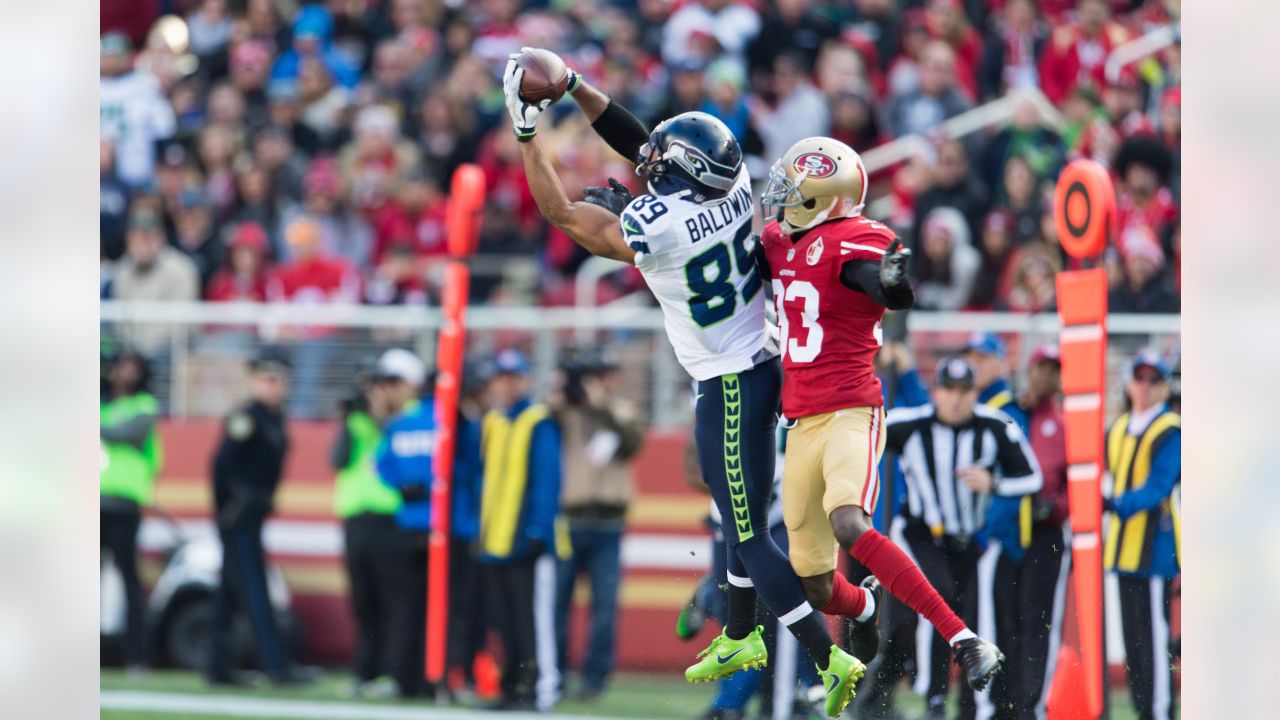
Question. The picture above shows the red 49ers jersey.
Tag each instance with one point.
(829, 334)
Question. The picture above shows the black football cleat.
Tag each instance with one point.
(980, 659)
(862, 639)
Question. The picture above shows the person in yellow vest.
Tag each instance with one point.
(367, 509)
(519, 505)
(1144, 529)
(131, 457)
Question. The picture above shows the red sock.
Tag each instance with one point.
(901, 577)
(846, 599)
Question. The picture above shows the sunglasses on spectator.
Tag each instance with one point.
(1150, 378)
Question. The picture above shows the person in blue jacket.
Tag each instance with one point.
(404, 460)
(517, 541)
(313, 38)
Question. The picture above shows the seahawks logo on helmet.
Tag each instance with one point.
(692, 155)
(700, 166)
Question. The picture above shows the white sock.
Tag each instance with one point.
(964, 634)
(870, 607)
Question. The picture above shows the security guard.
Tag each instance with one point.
(1144, 530)
(519, 505)
(367, 509)
(131, 457)
(246, 470)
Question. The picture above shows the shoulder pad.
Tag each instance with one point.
(240, 425)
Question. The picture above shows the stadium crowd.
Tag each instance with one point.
(301, 152)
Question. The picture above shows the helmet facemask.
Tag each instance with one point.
(808, 187)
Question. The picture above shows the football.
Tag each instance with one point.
(545, 76)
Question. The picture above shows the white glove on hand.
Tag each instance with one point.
(524, 116)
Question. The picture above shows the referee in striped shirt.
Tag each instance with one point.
(955, 455)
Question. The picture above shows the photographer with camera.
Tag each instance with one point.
(602, 433)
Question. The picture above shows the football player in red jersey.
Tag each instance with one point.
(833, 274)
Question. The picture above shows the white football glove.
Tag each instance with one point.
(524, 116)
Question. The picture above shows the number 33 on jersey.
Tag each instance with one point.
(829, 334)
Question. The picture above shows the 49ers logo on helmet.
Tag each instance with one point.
(818, 165)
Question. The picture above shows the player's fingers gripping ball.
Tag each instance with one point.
(524, 115)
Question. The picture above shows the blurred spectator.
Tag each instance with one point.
(1015, 39)
(446, 131)
(947, 264)
(253, 199)
(936, 99)
(602, 433)
(1076, 53)
(398, 278)
(725, 83)
(284, 110)
(496, 33)
(244, 276)
(853, 121)
(113, 203)
(195, 233)
(250, 70)
(313, 40)
(1020, 195)
(687, 91)
(375, 162)
(313, 277)
(208, 28)
(133, 112)
(1031, 287)
(1146, 287)
(1040, 147)
(217, 151)
(948, 23)
(791, 26)
(798, 111)
(875, 21)
(997, 250)
(703, 29)
(323, 103)
(904, 69)
(414, 218)
(1143, 199)
(151, 270)
(952, 186)
(343, 233)
(840, 69)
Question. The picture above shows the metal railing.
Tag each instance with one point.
(200, 368)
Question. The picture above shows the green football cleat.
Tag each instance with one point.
(842, 674)
(726, 656)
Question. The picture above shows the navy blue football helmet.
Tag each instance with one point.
(693, 155)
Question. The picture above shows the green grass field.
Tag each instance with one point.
(629, 696)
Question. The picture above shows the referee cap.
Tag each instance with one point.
(955, 371)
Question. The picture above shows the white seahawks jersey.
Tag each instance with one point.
(699, 261)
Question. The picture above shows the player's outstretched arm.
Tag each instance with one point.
(886, 282)
(594, 228)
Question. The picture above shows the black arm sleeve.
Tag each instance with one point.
(621, 130)
(864, 276)
(762, 263)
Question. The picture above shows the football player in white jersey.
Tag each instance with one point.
(690, 237)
